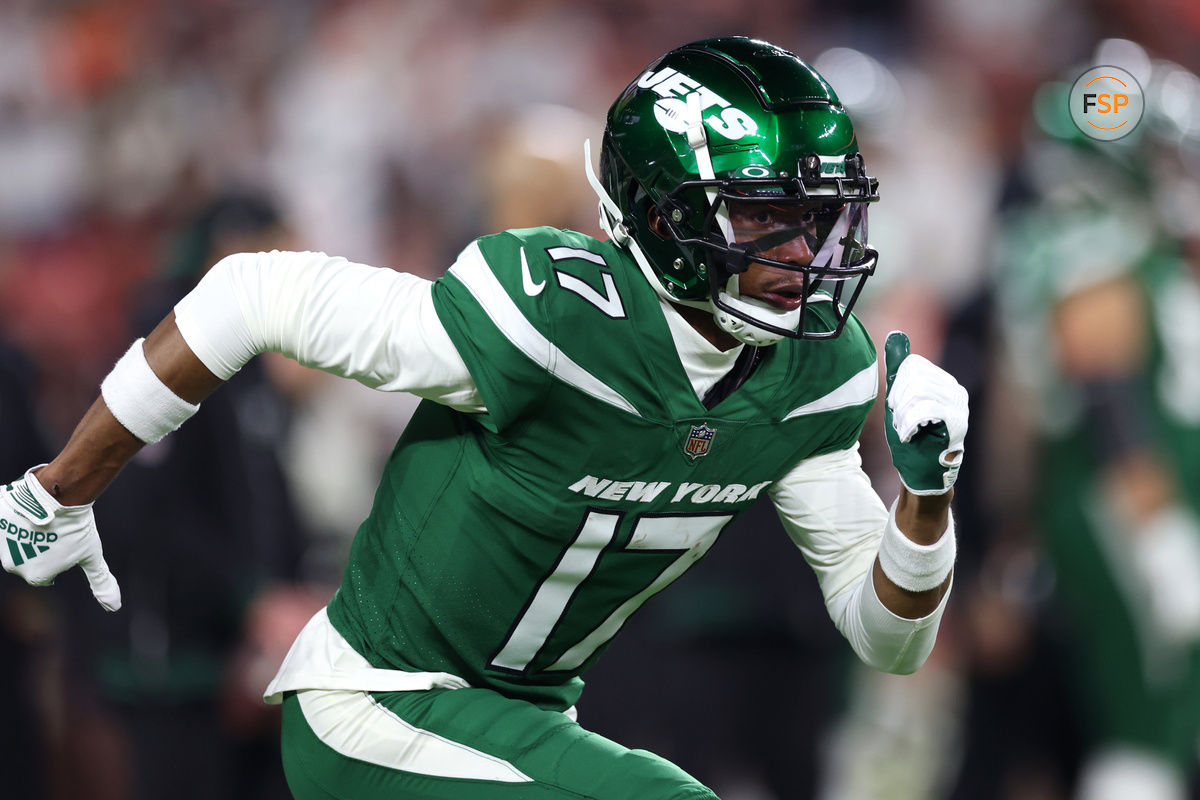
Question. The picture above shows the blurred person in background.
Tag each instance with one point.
(26, 622)
(204, 533)
(1099, 292)
(448, 662)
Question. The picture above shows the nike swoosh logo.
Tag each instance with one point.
(532, 289)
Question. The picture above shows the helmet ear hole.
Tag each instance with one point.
(657, 224)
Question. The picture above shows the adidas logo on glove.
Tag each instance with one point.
(24, 541)
(37, 554)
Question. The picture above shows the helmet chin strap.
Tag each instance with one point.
(745, 331)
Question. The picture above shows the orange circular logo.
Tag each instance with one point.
(1106, 103)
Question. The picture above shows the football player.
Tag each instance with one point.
(1103, 264)
(595, 414)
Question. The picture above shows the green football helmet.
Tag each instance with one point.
(738, 123)
(1154, 170)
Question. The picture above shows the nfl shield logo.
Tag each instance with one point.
(699, 441)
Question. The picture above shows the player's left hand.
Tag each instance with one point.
(42, 538)
(925, 419)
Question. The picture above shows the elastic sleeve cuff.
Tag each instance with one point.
(212, 322)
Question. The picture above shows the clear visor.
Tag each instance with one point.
(828, 238)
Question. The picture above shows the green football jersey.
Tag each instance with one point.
(1138, 688)
(1042, 264)
(510, 547)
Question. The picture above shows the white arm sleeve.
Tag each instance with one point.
(833, 515)
(375, 325)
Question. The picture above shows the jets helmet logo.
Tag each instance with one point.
(677, 90)
(699, 441)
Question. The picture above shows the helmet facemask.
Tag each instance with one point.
(815, 228)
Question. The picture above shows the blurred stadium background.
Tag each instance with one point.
(141, 140)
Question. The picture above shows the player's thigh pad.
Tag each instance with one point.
(460, 744)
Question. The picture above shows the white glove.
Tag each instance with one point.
(925, 417)
(43, 538)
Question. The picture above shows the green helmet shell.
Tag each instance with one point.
(765, 113)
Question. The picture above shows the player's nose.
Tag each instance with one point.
(794, 251)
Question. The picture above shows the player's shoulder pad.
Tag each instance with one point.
(851, 350)
(524, 258)
(540, 246)
(832, 374)
(552, 273)
(517, 277)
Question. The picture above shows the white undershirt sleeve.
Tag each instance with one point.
(832, 513)
(377, 326)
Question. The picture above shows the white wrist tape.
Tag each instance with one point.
(140, 401)
(912, 566)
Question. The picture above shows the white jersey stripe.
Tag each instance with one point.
(357, 726)
(860, 389)
(473, 271)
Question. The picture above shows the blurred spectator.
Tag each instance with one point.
(201, 529)
(541, 145)
(1100, 293)
(26, 623)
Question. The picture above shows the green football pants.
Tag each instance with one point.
(460, 744)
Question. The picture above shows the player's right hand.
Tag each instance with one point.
(43, 538)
